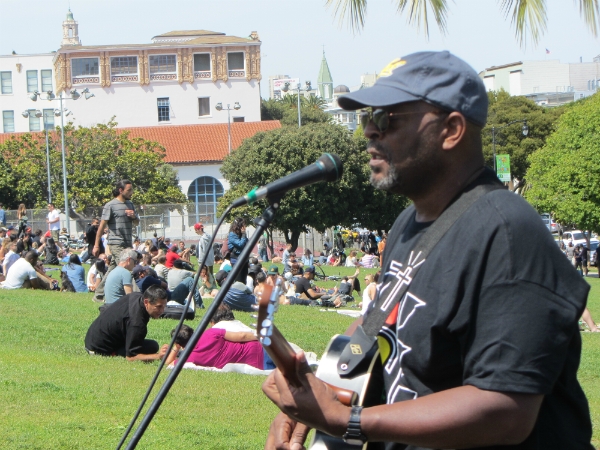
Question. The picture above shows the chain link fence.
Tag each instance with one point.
(175, 221)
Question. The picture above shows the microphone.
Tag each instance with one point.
(328, 167)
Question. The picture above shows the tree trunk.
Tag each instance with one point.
(293, 239)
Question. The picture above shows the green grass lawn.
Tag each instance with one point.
(56, 396)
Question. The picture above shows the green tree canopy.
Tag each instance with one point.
(564, 175)
(274, 154)
(510, 140)
(96, 158)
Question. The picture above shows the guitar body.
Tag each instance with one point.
(368, 386)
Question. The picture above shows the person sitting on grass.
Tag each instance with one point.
(121, 329)
(218, 346)
(76, 273)
(51, 252)
(145, 277)
(97, 272)
(23, 274)
(306, 291)
(209, 287)
(119, 281)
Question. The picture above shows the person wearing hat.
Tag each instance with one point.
(482, 350)
(204, 247)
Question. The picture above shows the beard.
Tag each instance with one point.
(415, 171)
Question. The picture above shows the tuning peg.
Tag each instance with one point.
(265, 341)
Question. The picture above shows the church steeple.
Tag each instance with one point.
(325, 81)
(70, 31)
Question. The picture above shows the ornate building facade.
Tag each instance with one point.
(176, 79)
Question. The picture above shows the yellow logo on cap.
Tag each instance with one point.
(387, 70)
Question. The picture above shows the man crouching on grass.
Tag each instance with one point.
(120, 330)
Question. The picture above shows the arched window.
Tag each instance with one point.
(204, 192)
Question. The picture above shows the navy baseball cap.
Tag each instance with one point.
(438, 78)
(309, 269)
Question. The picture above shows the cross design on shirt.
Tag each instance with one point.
(400, 278)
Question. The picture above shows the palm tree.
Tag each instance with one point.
(291, 100)
(526, 15)
(315, 102)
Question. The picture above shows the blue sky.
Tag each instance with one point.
(293, 32)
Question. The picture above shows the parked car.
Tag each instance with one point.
(577, 237)
(552, 226)
(593, 253)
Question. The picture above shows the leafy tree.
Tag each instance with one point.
(504, 109)
(271, 109)
(96, 158)
(308, 115)
(526, 15)
(564, 175)
(268, 156)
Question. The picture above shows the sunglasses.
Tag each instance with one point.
(381, 118)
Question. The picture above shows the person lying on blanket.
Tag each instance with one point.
(218, 346)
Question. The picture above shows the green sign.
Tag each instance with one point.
(503, 168)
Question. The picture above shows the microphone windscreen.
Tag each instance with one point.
(334, 167)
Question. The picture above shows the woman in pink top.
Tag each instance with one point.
(218, 347)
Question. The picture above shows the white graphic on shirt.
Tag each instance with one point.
(399, 278)
(399, 275)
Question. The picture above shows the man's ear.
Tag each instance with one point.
(455, 129)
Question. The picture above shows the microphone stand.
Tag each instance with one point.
(262, 223)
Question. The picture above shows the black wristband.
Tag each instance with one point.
(354, 435)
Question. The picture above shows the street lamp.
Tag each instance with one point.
(219, 107)
(286, 87)
(39, 114)
(524, 130)
(62, 112)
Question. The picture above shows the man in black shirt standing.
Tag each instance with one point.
(120, 330)
(482, 348)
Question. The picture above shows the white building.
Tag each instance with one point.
(547, 82)
(177, 79)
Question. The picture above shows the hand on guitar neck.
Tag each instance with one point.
(295, 389)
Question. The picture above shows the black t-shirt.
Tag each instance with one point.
(496, 306)
(302, 287)
(345, 288)
(122, 324)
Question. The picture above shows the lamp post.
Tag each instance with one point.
(39, 114)
(219, 107)
(524, 130)
(74, 96)
(286, 88)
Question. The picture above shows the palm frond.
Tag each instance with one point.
(354, 10)
(526, 16)
(419, 13)
(590, 11)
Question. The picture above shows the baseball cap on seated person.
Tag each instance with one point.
(309, 269)
(438, 78)
(137, 270)
(10, 227)
(273, 270)
(198, 226)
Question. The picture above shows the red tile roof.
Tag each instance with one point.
(191, 143)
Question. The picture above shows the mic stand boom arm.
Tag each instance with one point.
(262, 223)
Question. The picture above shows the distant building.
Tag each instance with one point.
(177, 79)
(276, 83)
(547, 82)
(341, 116)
